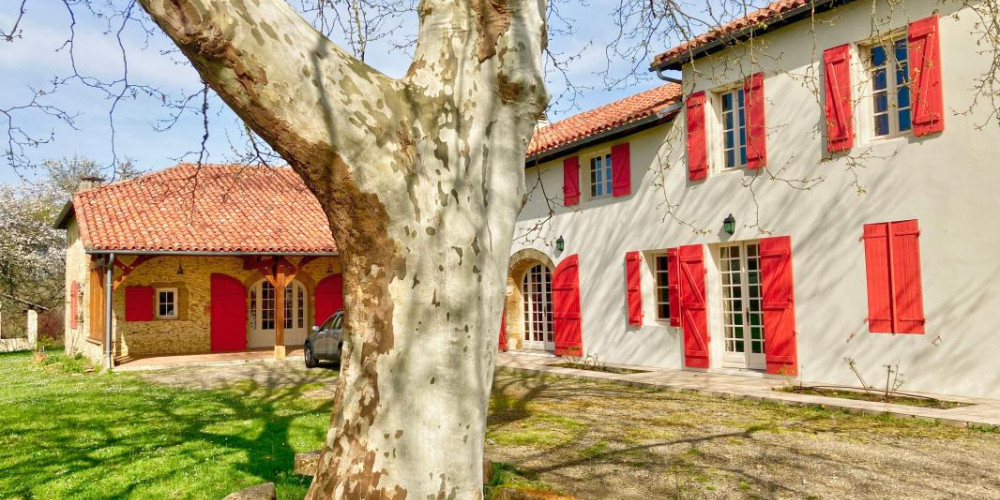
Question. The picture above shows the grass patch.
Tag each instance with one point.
(599, 368)
(874, 396)
(66, 363)
(116, 436)
(508, 477)
(539, 430)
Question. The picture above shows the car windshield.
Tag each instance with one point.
(337, 320)
(328, 325)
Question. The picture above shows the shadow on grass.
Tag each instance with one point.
(101, 436)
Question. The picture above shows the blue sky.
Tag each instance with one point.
(33, 61)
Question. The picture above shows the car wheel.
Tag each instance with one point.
(311, 361)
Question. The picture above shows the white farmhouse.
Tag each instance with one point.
(819, 187)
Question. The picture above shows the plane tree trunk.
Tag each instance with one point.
(422, 179)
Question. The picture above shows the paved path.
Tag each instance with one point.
(985, 412)
(205, 359)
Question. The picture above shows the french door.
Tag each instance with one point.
(536, 289)
(263, 315)
(742, 314)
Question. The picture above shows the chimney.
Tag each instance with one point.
(86, 183)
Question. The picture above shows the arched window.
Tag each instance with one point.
(536, 291)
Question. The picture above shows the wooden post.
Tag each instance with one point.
(279, 312)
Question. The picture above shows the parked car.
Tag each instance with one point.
(325, 341)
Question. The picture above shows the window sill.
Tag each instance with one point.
(94, 342)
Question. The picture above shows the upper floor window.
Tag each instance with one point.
(600, 175)
(734, 130)
(166, 303)
(889, 76)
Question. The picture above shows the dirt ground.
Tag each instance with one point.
(597, 440)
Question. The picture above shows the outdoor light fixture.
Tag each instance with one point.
(729, 224)
(560, 244)
(180, 267)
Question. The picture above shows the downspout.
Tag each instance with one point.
(108, 316)
(661, 76)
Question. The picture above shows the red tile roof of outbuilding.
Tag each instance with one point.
(607, 117)
(211, 208)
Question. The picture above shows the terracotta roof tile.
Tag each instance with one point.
(212, 208)
(604, 118)
(760, 17)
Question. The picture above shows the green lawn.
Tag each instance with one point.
(203, 433)
(71, 435)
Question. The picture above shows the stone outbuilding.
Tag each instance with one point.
(197, 259)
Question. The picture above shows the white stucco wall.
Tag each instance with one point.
(947, 181)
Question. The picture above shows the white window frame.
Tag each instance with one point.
(719, 134)
(661, 292)
(888, 42)
(159, 302)
(588, 167)
(747, 292)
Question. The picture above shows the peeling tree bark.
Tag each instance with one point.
(422, 179)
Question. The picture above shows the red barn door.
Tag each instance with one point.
(229, 314)
(329, 297)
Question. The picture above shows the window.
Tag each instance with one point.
(889, 76)
(662, 288)
(166, 303)
(734, 130)
(536, 291)
(600, 176)
(895, 291)
(743, 314)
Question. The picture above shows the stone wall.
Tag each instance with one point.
(78, 269)
(23, 344)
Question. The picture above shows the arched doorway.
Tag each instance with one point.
(536, 293)
(263, 314)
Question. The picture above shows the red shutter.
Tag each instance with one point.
(329, 297)
(633, 286)
(571, 181)
(880, 305)
(503, 331)
(566, 308)
(621, 170)
(74, 299)
(780, 348)
(694, 317)
(753, 88)
(924, 54)
(673, 287)
(228, 315)
(839, 112)
(907, 288)
(139, 303)
(697, 141)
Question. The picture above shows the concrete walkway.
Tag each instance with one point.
(205, 359)
(753, 386)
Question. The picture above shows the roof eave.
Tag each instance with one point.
(662, 116)
(67, 213)
(792, 16)
(199, 253)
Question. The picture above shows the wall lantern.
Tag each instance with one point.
(180, 267)
(729, 224)
(560, 244)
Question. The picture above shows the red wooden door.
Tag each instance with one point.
(503, 331)
(779, 306)
(566, 308)
(229, 314)
(694, 314)
(329, 297)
